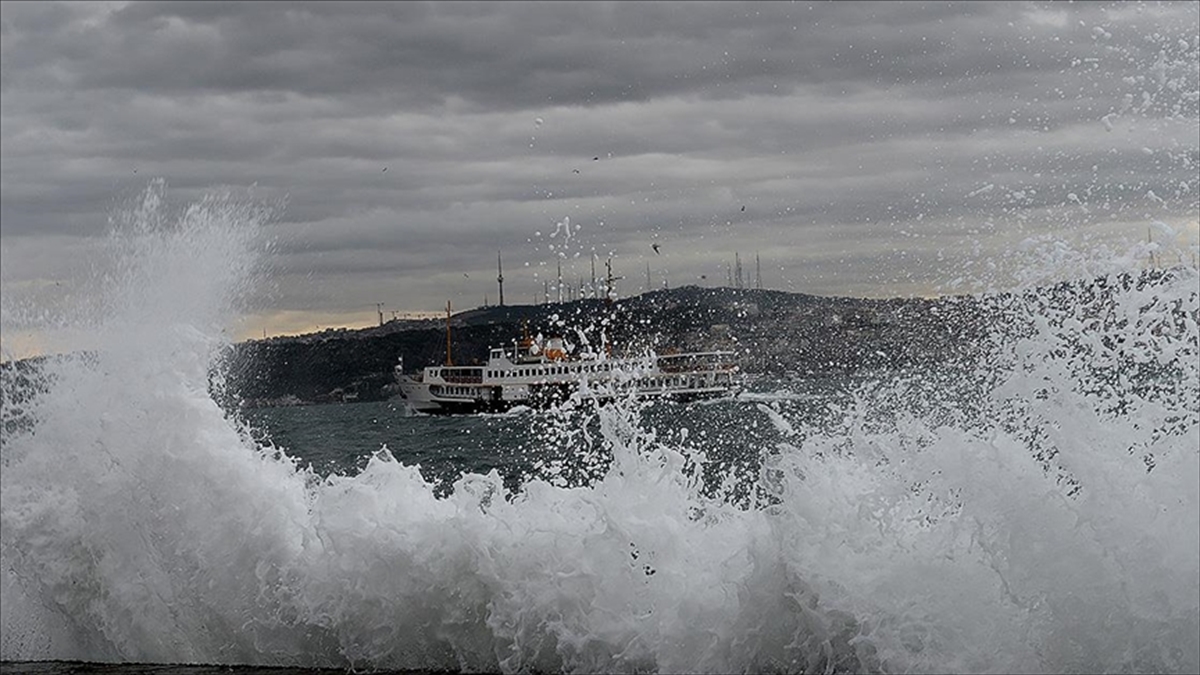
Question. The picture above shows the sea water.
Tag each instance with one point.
(1037, 510)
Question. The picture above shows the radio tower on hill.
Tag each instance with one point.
(500, 277)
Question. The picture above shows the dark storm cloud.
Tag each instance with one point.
(413, 140)
(522, 55)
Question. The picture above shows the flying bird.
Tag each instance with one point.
(384, 170)
(743, 208)
(655, 247)
(575, 170)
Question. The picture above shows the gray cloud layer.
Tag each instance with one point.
(873, 146)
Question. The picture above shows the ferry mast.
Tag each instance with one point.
(449, 362)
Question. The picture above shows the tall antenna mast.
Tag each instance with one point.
(593, 275)
(757, 273)
(379, 308)
(647, 277)
(608, 280)
(560, 288)
(500, 277)
(609, 290)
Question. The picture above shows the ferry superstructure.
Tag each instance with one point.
(533, 374)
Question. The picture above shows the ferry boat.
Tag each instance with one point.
(539, 374)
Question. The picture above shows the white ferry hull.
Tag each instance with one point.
(428, 398)
(543, 378)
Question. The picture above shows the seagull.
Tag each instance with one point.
(743, 208)
(655, 247)
(595, 159)
(575, 170)
(384, 170)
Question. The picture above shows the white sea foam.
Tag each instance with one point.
(1022, 533)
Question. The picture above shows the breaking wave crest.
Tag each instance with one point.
(1037, 512)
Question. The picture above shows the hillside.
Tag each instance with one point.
(771, 332)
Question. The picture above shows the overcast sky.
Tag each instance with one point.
(862, 149)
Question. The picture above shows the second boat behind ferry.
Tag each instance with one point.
(533, 374)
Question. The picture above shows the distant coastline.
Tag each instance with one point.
(771, 331)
